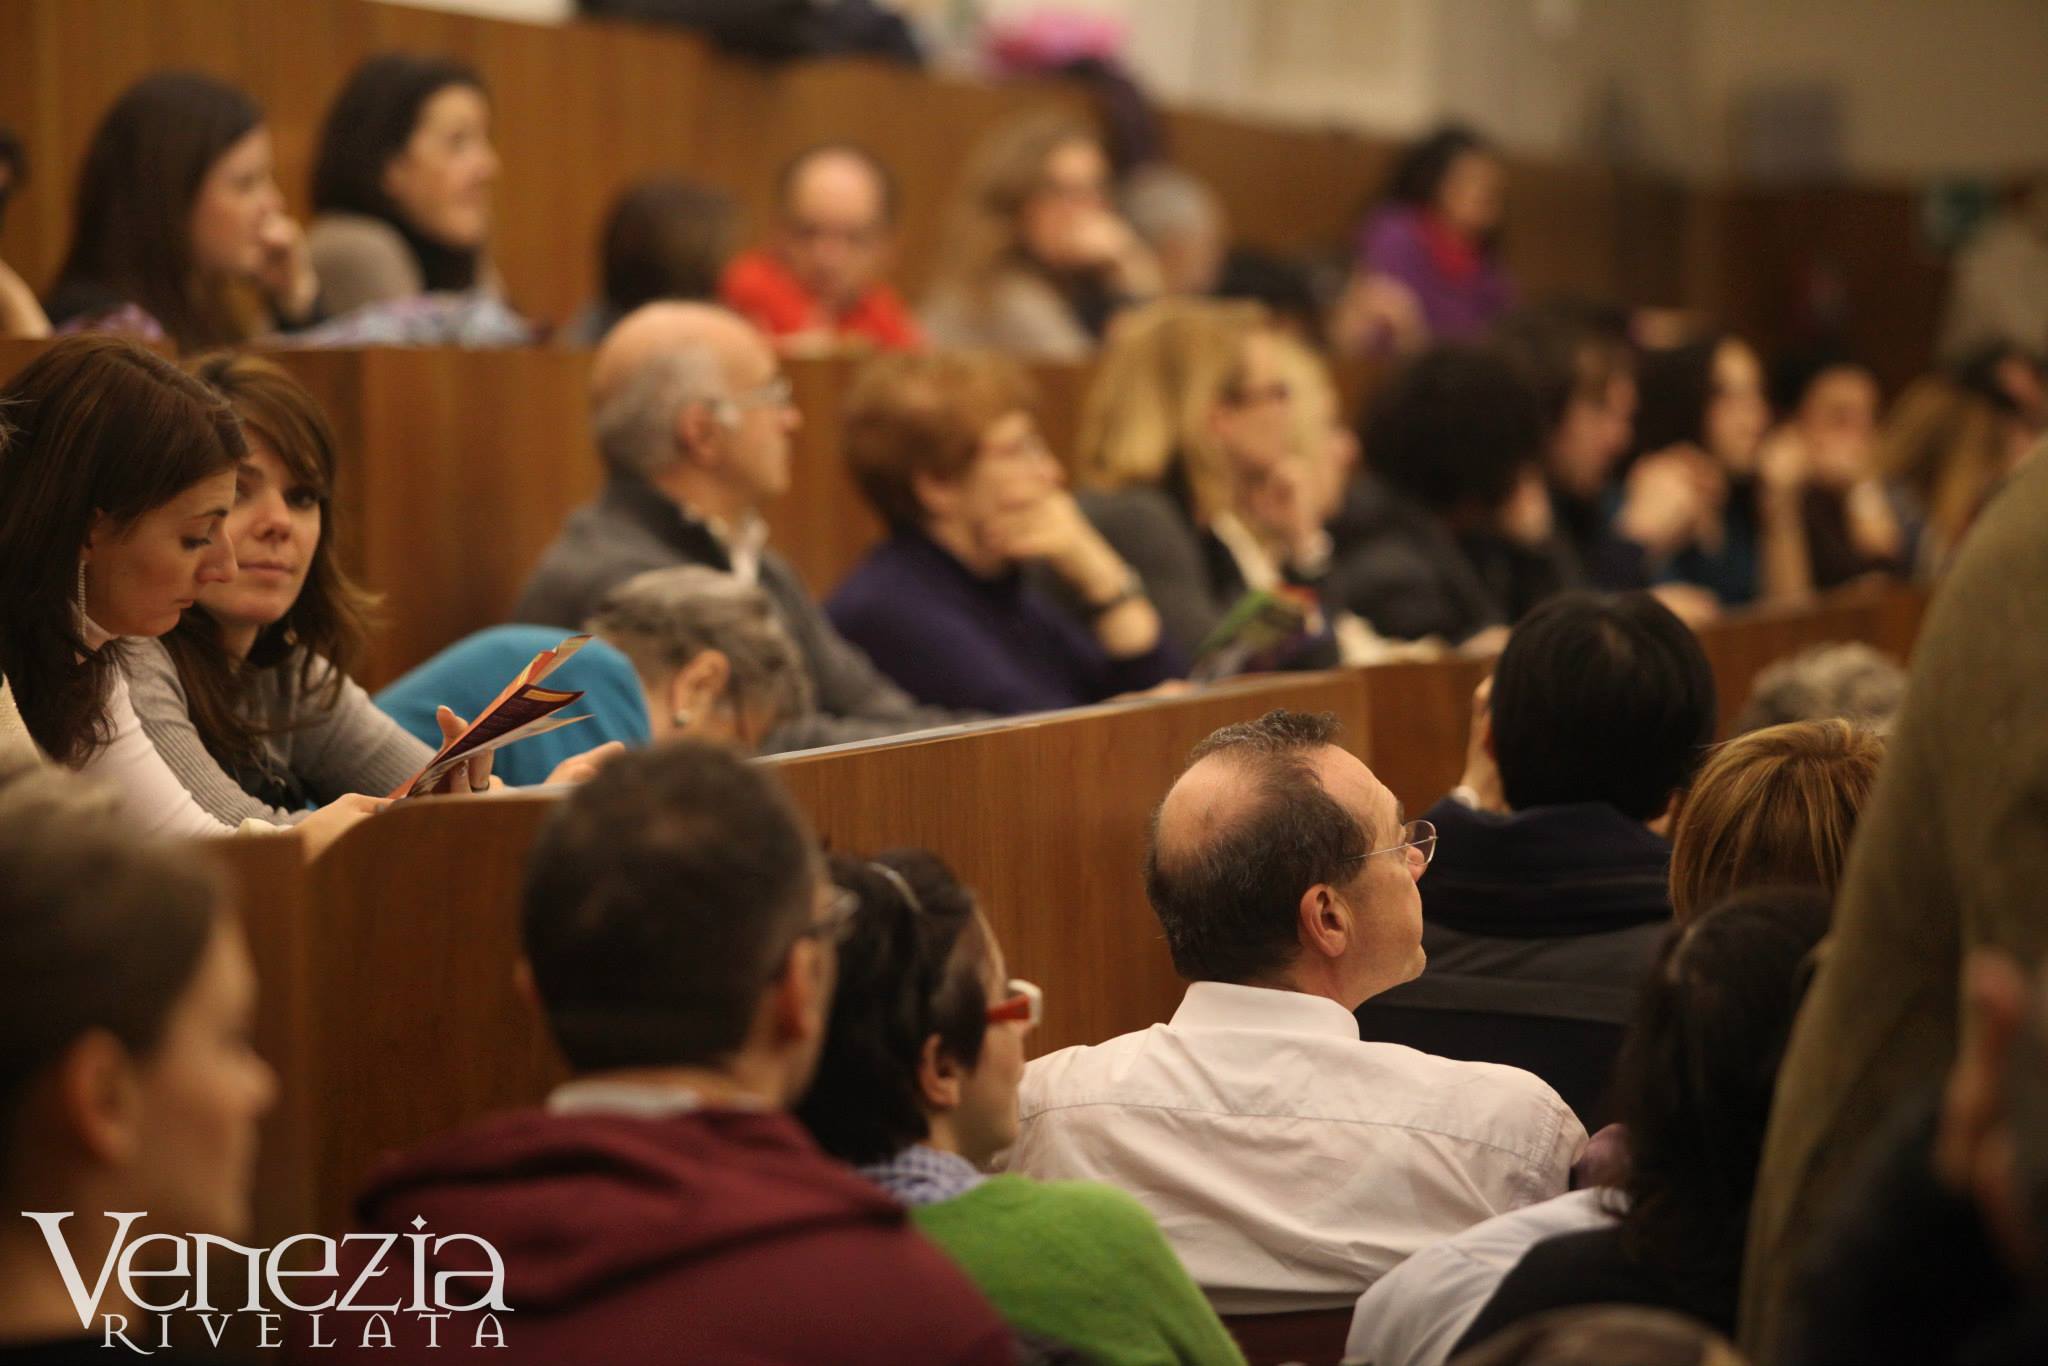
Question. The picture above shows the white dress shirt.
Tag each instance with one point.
(1416, 1313)
(1290, 1164)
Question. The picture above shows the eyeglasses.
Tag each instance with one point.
(1024, 1005)
(776, 393)
(1418, 841)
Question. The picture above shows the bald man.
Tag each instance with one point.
(1289, 1164)
(693, 420)
(820, 282)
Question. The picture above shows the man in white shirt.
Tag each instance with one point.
(1290, 1164)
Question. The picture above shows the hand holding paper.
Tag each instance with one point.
(523, 709)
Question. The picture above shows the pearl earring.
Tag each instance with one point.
(681, 719)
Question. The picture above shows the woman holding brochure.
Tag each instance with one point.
(248, 700)
(117, 473)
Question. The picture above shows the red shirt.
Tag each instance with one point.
(759, 286)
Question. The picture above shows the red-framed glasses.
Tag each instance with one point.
(1024, 1005)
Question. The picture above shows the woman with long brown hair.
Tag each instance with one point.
(180, 230)
(1036, 259)
(116, 479)
(249, 701)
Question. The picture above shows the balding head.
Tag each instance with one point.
(837, 204)
(658, 361)
(1269, 816)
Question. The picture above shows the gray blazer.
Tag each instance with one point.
(632, 528)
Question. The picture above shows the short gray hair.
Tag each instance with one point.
(664, 618)
(1851, 681)
(1165, 202)
(635, 423)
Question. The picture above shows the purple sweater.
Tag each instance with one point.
(998, 645)
(1393, 244)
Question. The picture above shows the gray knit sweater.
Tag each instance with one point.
(351, 747)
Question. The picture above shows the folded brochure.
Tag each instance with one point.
(523, 710)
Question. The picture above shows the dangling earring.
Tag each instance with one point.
(81, 585)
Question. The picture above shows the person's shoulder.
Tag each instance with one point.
(1088, 1207)
(342, 239)
(753, 272)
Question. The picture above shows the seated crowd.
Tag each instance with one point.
(1589, 1031)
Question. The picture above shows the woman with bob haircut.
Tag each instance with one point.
(1036, 260)
(402, 185)
(1775, 807)
(1197, 464)
(116, 483)
(917, 1087)
(945, 448)
(179, 229)
(127, 997)
(249, 700)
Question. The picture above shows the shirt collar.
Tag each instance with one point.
(921, 1175)
(1227, 1005)
(641, 1100)
(684, 527)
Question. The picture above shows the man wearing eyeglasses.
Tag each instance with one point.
(693, 418)
(681, 943)
(1288, 1163)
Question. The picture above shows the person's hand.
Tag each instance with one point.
(286, 273)
(327, 825)
(1377, 314)
(1097, 239)
(1873, 526)
(580, 768)
(20, 314)
(1044, 523)
(1784, 466)
(1690, 603)
(1664, 499)
(471, 775)
(1482, 773)
(1283, 507)
(1973, 1151)
(1526, 517)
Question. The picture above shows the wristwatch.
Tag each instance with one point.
(1133, 588)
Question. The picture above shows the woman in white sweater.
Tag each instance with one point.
(117, 473)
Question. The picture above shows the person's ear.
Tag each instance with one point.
(1324, 921)
(99, 1098)
(940, 1078)
(801, 997)
(697, 432)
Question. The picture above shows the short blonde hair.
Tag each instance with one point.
(924, 413)
(1163, 369)
(1005, 169)
(1775, 807)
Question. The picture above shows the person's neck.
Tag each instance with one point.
(238, 638)
(702, 496)
(958, 540)
(1320, 979)
(944, 1137)
(35, 1306)
(748, 1083)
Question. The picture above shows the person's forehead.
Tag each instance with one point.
(836, 182)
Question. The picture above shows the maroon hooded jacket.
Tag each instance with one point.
(706, 1238)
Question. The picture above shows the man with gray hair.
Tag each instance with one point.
(693, 420)
(1289, 1163)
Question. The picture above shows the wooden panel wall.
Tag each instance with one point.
(585, 108)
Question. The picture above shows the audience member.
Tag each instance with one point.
(1284, 876)
(1188, 450)
(1948, 444)
(1776, 807)
(663, 239)
(1998, 294)
(693, 420)
(179, 231)
(127, 1081)
(678, 653)
(1428, 264)
(1832, 408)
(20, 313)
(1184, 224)
(1606, 1335)
(402, 184)
(1848, 680)
(116, 485)
(1035, 261)
(1449, 533)
(1696, 1079)
(1953, 856)
(1704, 402)
(663, 1207)
(822, 280)
(249, 699)
(1582, 371)
(945, 447)
(1554, 885)
(917, 1087)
